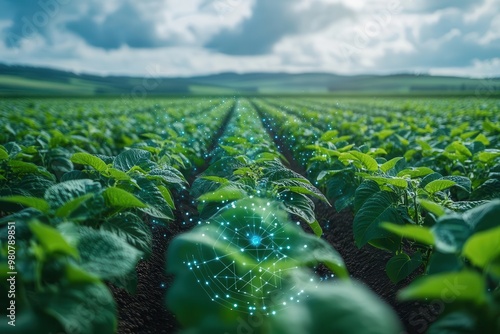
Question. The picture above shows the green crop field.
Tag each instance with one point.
(266, 214)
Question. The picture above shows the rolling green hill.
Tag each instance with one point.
(21, 81)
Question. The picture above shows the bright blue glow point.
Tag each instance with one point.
(255, 240)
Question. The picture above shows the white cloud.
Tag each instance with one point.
(340, 36)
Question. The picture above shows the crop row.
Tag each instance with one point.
(413, 210)
(72, 220)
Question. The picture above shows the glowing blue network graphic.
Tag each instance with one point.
(242, 259)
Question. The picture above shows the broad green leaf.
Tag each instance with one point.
(450, 233)
(432, 207)
(486, 191)
(72, 205)
(89, 160)
(454, 323)
(397, 182)
(482, 138)
(51, 239)
(223, 194)
(387, 166)
(439, 185)
(3, 153)
(461, 148)
(483, 248)
(306, 191)
(23, 167)
(105, 254)
(412, 232)
(117, 197)
(384, 134)
(64, 192)
(488, 156)
(363, 192)
(329, 135)
(83, 309)
(367, 161)
(356, 310)
(401, 266)
(32, 202)
(132, 229)
(131, 158)
(381, 207)
(415, 172)
(230, 150)
(118, 174)
(440, 262)
(467, 286)
(484, 217)
(216, 179)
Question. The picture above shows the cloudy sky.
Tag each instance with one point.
(193, 37)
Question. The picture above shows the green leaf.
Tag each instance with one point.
(411, 232)
(32, 202)
(132, 229)
(105, 254)
(216, 179)
(401, 266)
(381, 207)
(454, 323)
(223, 194)
(89, 160)
(72, 205)
(387, 166)
(328, 135)
(51, 239)
(64, 192)
(439, 185)
(484, 217)
(398, 182)
(167, 196)
(367, 161)
(488, 156)
(356, 310)
(21, 167)
(230, 150)
(451, 232)
(432, 207)
(440, 262)
(83, 309)
(316, 227)
(3, 153)
(460, 147)
(483, 248)
(465, 286)
(130, 158)
(363, 192)
(116, 197)
(482, 139)
(490, 189)
(118, 174)
(150, 194)
(415, 172)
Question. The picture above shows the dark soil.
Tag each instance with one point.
(145, 311)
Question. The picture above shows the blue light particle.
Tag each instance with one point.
(255, 240)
